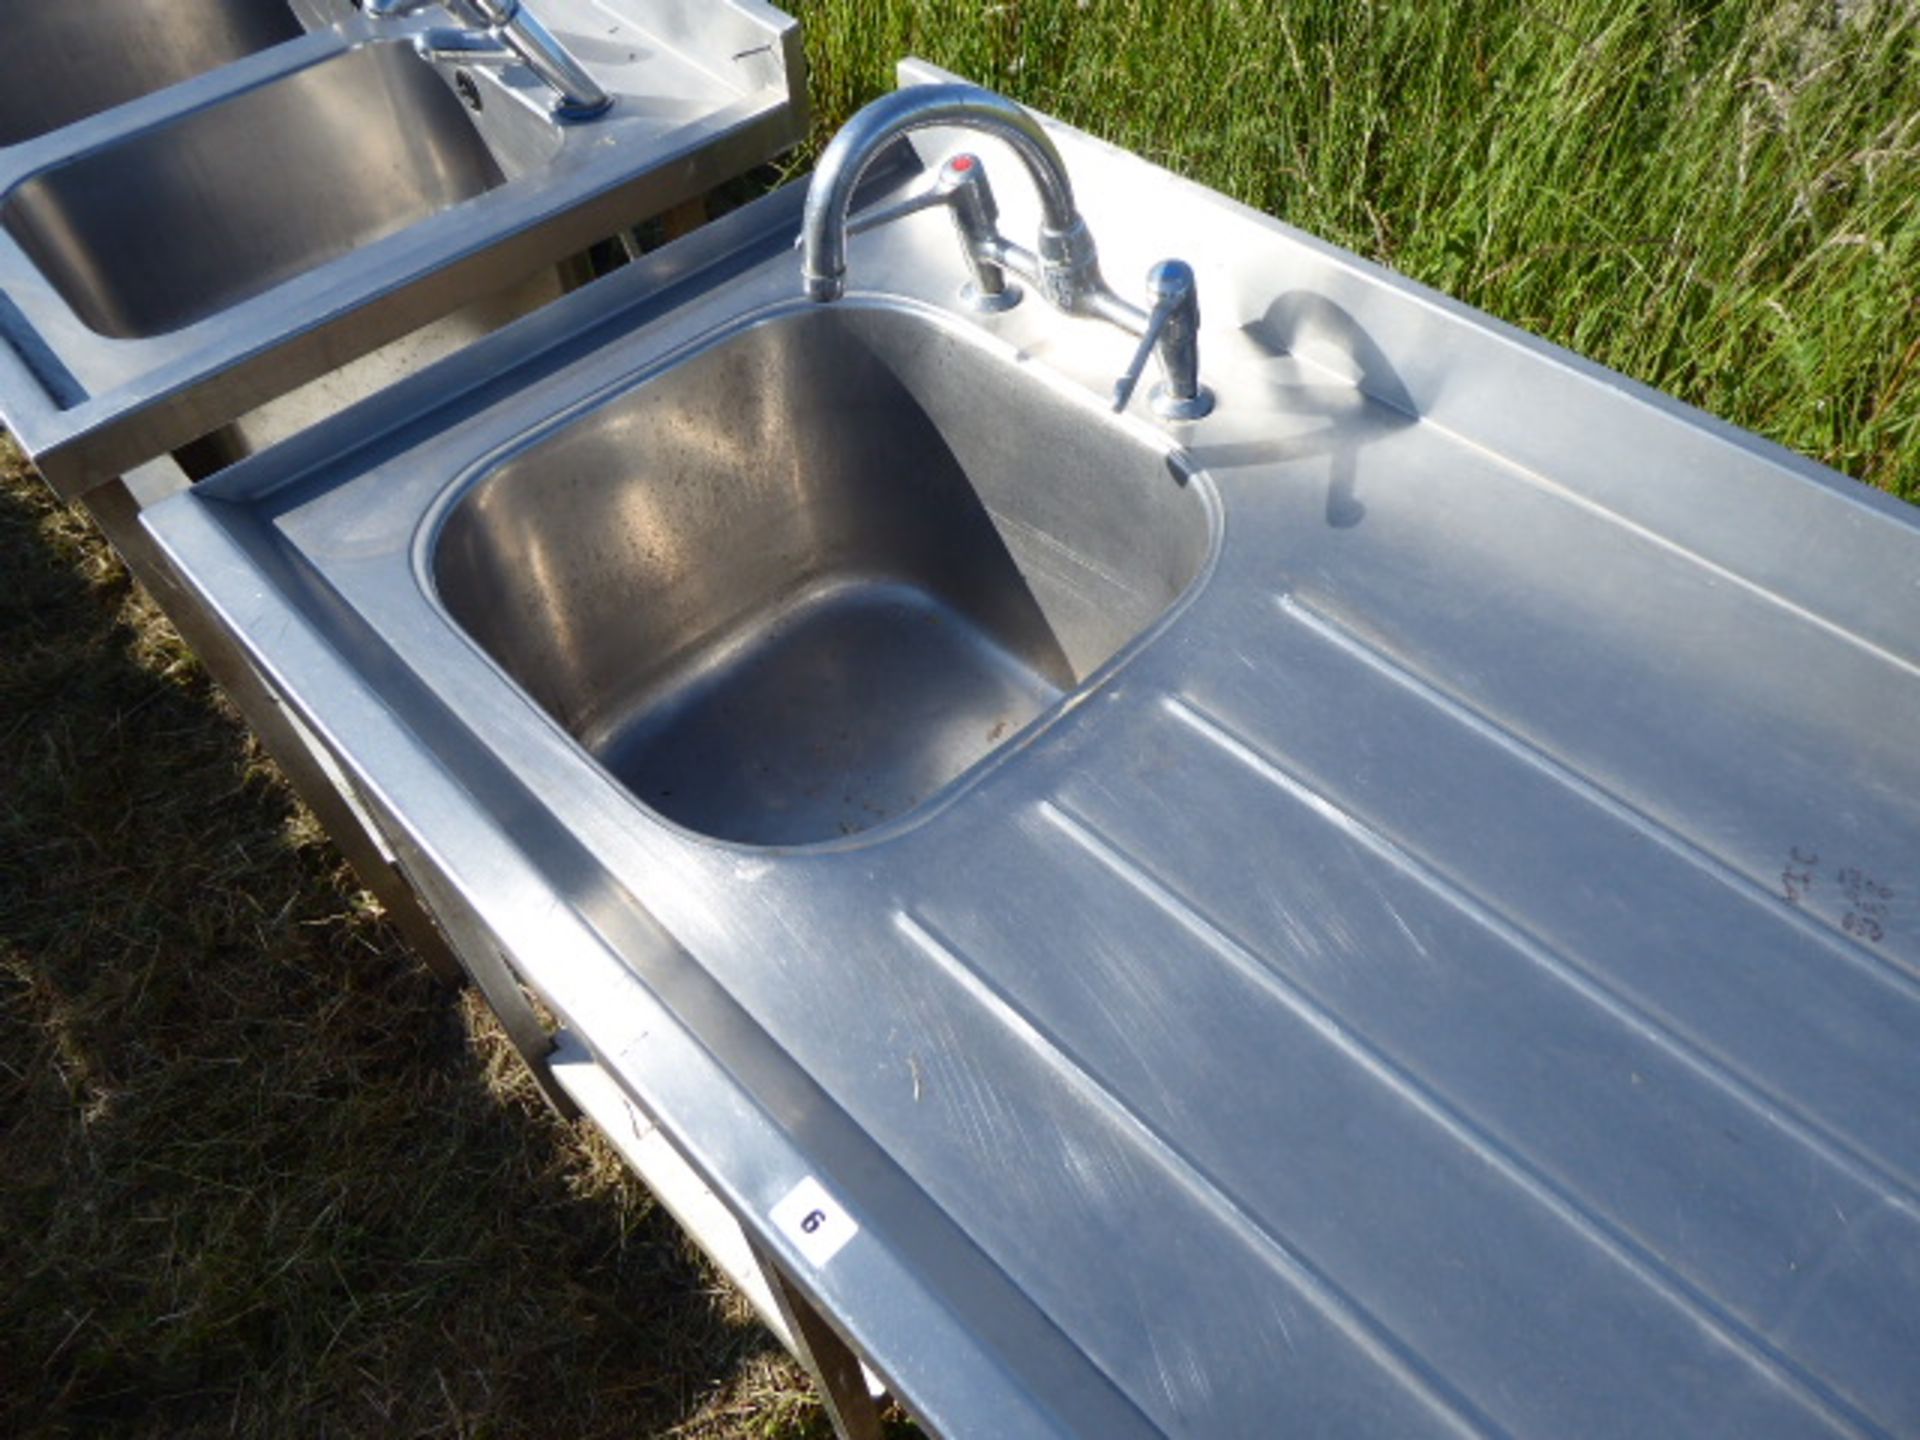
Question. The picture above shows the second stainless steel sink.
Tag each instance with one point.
(271, 190)
(793, 587)
(262, 186)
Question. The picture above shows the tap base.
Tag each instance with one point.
(1169, 406)
(574, 110)
(974, 298)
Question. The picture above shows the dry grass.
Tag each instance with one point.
(261, 1176)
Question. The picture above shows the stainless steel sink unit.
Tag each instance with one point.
(942, 550)
(1391, 909)
(270, 190)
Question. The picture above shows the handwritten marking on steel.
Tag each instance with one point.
(1868, 902)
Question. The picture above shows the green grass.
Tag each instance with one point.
(259, 1177)
(1722, 200)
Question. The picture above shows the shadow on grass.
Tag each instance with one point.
(258, 1175)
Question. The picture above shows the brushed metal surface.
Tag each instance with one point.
(791, 588)
(1457, 973)
(66, 60)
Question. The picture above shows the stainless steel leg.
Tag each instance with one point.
(832, 1364)
(684, 218)
(489, 971)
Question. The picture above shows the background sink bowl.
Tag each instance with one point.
(232, 199)
(64, 60)
(794, 586)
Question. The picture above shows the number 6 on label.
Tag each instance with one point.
(814, 1221)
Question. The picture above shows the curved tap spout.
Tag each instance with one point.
(1063, 264)
(1066, 249)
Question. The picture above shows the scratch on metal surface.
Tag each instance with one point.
(1280, 1318)
(1400, 923)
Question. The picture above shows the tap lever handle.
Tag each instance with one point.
(961, 189)
(1123, 388)
(931, 198)
(1175, 319)
(961, 185)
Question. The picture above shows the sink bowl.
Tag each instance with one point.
(798, 584)
(69, 59)
(235, 198)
